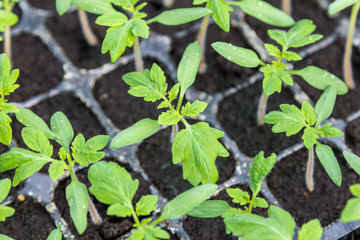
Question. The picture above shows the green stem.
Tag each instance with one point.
(139, 65)
(286, 6)
(348, 47)
(310, 170)
(252, 202)
(89, 35)
(262, 108)
(174, 132)
(136, 219)
(202, 40)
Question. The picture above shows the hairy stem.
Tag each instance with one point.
(139, 64)
(7, 42)
(262, 108)
(348, 48)
(202, 40)
(310, 170)
(168, 3)
(90, 37)
(95, 216)
(286, 6)
(252, 203)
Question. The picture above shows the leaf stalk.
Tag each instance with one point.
(202, 40)
(89, 35)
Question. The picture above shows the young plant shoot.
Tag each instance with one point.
(114, 186)
(5, 211)
(338, 6)
(8, 79)
(91, 6)
(36, 136)
(351, 211)
(197, 145)
(276, 72)
(7, 20)
(292, 120)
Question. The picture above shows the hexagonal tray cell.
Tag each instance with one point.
(287, 182)
(122, 108)
(30, 221)
(222, 74)
(37, 74)
(112, 227)
(43, 4)
(352, 136)
(330, 59)
(67, 32)
(155, 158)
(214, 228)
(237, 115)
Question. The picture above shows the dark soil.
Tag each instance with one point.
(222, 74)
(287, 183)
(43, 4)
(67, 32)
(352, 136)
(29, 222)
(37, 74)
(112, 227)
(122, 108)
(156, 159)
(237, 114)
(214, 228)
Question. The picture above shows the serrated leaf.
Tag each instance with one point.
(311, 230)
(180, 16)
(5, 128)
(308, 112)
(174, 92)
(7, 77)
(62, 6)
(8, 18)
(210, 209)
(146, 205)
(5, 186)
(290, 120)
(112, 19)
(119, 210)
(300, 35)
(61, 126)
(197, 148)
(310, 137)
(186, 201)
(169, 117)
(135, 133)
(37, 141)
(94, 6)
(330, 131)
(238, 195)
(265, 12)
(78, 200)
(55, 234)
(325, 105)
(261, 203)
(286, 78)
(259, 168)
(193, 109)
(329, 162)
(88, 152)
(9, 108)
(272, 82)
(351, 211)
(272, 50)
(241, 56)
(353, 160)
(56, 170)
(339, 5)
(139, 28)
(321, 79)
(4, 237)
(30, 167)
(292, 56)
(116, 40)
(5, 212)
(220, 13)
(278, 36)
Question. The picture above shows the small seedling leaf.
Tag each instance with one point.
(353, 160)
(272, 82)
(116, 40)
(278, 36)
(292, 56)
(340, 5)
(61, 126)
(139, 28)
(210, 209)
(94, 6)
(321, 79)
(37, 141)
(137, 132)
(119, 210)
(272, 50)
(328, 160)
(241, 56)
(5, 186)
(5, 128)
(169, 117)
(310, 137)
(261, 203)
(78, 200)
(8, 18)
(197, 148)
(112, 19)
(180, 16)
(300, 35)
(146, 205)
(55, 234)
(193, 109)
(220, 13)
(355, 190)
(5, 212)
(56, 169)
(325, 105)
(311, 230)
(330, 131)
(7, 78)
(284, 218)
(259, 168)
(9, 108)
(351, 211)
(33, 165)
(265, 12)
(186, 201)
(238, 195)
(62, 6)
(308, 112)
(4, 237)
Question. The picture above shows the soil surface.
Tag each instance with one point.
(287, 182)
(237, 115)
(352, 136)
(43, 4)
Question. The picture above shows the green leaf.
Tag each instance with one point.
(8, 18)
(30, 119)
(238, 196)
(329, 162)
(61, 126)
(308, 112)
(241, 56)
(197, 147)
(290, 120)
(55, 234)
(351, 211)
(272, 82)
(272, 50)
(259, 168)
(56, 169)
(5, 128)
(193, 109)
(353, 160)
(9, 108)
(5, 186)
(310, 137)
(151, 85)
(112, 184)
(116, 40)
(330, 131)
(27, 169)
(283, 218)
(139, 28)
(112, 19)
(311, 230)
(180, 16)
(149, 233)
(325, 105)
(339, 5)
(278, 36)
(210, 209)
(261, 203)
(355, 190)
(62, 6)
(292, 56)
(37, 141)
(300, 35)
(135, 133)
(169, 117)
(174, 92)
(198, 2)
(220, 13)
(321, 79)
(4, 237)
(188, 66)
(94, 6)
(7, 78)
(146, 205)
(78, 200)
(186, 201)
(265, 12)
(119, 210)
(5, 212)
